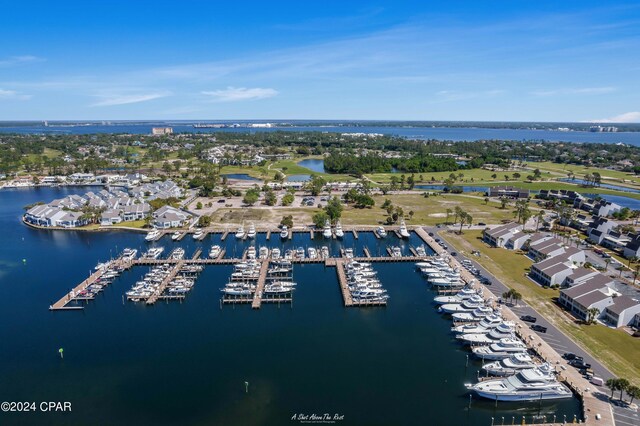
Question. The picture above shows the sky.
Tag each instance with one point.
(510, 60)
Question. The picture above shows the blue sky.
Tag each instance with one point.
(402, 60)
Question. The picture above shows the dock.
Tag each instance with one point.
(342, 280)
(224, 235)
(355, 233)
(366, 252)
(269, 235)
(197, 254)
(262, 278)
(154, 297)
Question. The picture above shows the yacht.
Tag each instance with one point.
(396, 251)
(251, 233)
(326, 231)
(176, 235)
(215, 251)
(487, 324)
(404, 233)
(129, 254)
(459, 297)
(275, 253)
(468, 305)
(475, 316)
(153, 253)
(312, 253)
(421, 251)
(300, 253)
(500, 350)
(198, 234)
(177, 254)
(236, 291)
(152, 235)
(381, 232)
(509, 366)
(263, 252)
(251, 252)
(339, 231)
(488, 336)
(284, 234)
(325, 252)
(531, 384)
(240, 232)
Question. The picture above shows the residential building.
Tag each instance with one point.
(499, 235)
(508, 191)
(622, 312)
(169, 217)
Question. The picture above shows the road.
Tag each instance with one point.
(554, 337)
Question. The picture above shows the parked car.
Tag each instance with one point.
(453, 253)
(579, 364)
(485, 281)
(569, 356)
(539, 328)
(431, 234)
(222, 201)
(606, 256)
(482, 224)
(528, 318)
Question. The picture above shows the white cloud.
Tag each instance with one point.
(575, 91)
(19, 60)
(12, 94)
(121, 99)
(233, 94)
(627, 117)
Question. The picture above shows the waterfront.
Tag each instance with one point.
(187, 362)
(424, 133)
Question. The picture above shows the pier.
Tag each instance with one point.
(154, 297)
(342, 280)
(262, 278)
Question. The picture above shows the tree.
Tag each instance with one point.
(494, 176)
(319, 219)
(623, 385)
(251, 197)
(270, 198)
(633, 392)
(592, 314)
(334, 209)
(449, 211)
(612, 384)
(486, 200)
(287, 221)
(287, 199)
(204, 221)
(539, 217)
(198, 205)
(503, 202)
(516, 296)
(315, 185)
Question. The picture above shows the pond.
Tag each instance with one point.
(240, 176)
(603, 185)
(313, 164)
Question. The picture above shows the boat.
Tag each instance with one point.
(251, 233)
(509, 366)
(381, 232)
(326, 231)
(215, 251)
(240, 232)
(488, 336)
(531, 384)
(486, 324)
(325, 252)
(177, 254)
(421, 251)
(251, 252)
(236, 291)
(176, 236)
(475, 316)
(198, 234)
(275, 253)
(152, 235)
(404, 233)
(153, 253)
(284, 234)
(339, 231)
(467, 305)
(300, 253)
(129, 254)
(312, 253)
(263, 252)
(459, 297)
(501, 349)
(396, 251)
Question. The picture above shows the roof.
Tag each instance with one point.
(581, 272)
(589, 299)
(587, 286)
(622, 303)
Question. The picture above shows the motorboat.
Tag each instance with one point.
(531, 384)
(326, 231)
(475, 316)
(152, 235)
(459, 297)
(300, 253)
(129, 254)
(504, 348)
(263, 252)
(396, 251)
(177, 254)
(325, 252)
(339, 231)
(176, 236)
(251, 233)
(215, 251)
(198, 234)
(284, 233)
(382, 233)
(509, 366)
(153, 253)
(251, 252)
(467, 305)
(488, 336)
(275, 253)
(485, 325)
(240, 232)
(236, 291)
(404, 233)
(312, 253)
(421, 251)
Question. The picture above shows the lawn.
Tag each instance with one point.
(478, 175)
(537, 186)
(580, 171)
(615, 348)
(428, 211)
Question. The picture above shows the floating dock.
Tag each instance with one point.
(262, 278)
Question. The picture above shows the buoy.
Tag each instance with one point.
(61, 352)
(24, 261)
(246, 387)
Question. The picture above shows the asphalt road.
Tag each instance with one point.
(554, 337)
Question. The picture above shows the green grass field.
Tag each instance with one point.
(580, 171)
(615, 348)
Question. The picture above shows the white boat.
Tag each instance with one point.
(500, 350)
(300, 253)
(215, 251)
(177, 254)
(404, 233)
(198, 234)
(176, 235)
(251, 252)
(486, 337)
(263, 252)
(240, 232)
(251, 233)
(477, 315)
(339, 231)
(153, 253)
(236, 291)
(396, 251)
(275, 253)
(381, 232)
(325, 252)
(468, 305)
(284, 234)
(487, 323)
(326, 231)
(459, 297)
(509, 366)
(421, 251)
(152, 235)
(129, 254)
(312, 253)
(532, 384)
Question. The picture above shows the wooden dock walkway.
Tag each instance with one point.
(204, 234)
(355, 233)
(366, 252)
(342, 280)
(269, 235)
(197, 254)
(156, 294)
(262, 278)
(184, 234)
(224, 235)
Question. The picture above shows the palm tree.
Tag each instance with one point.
(592, 314)
(506, 295)
(612, 384)
(633, 392)
(539, 217)
(449, 211)
(515, 295)
(623, 385)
